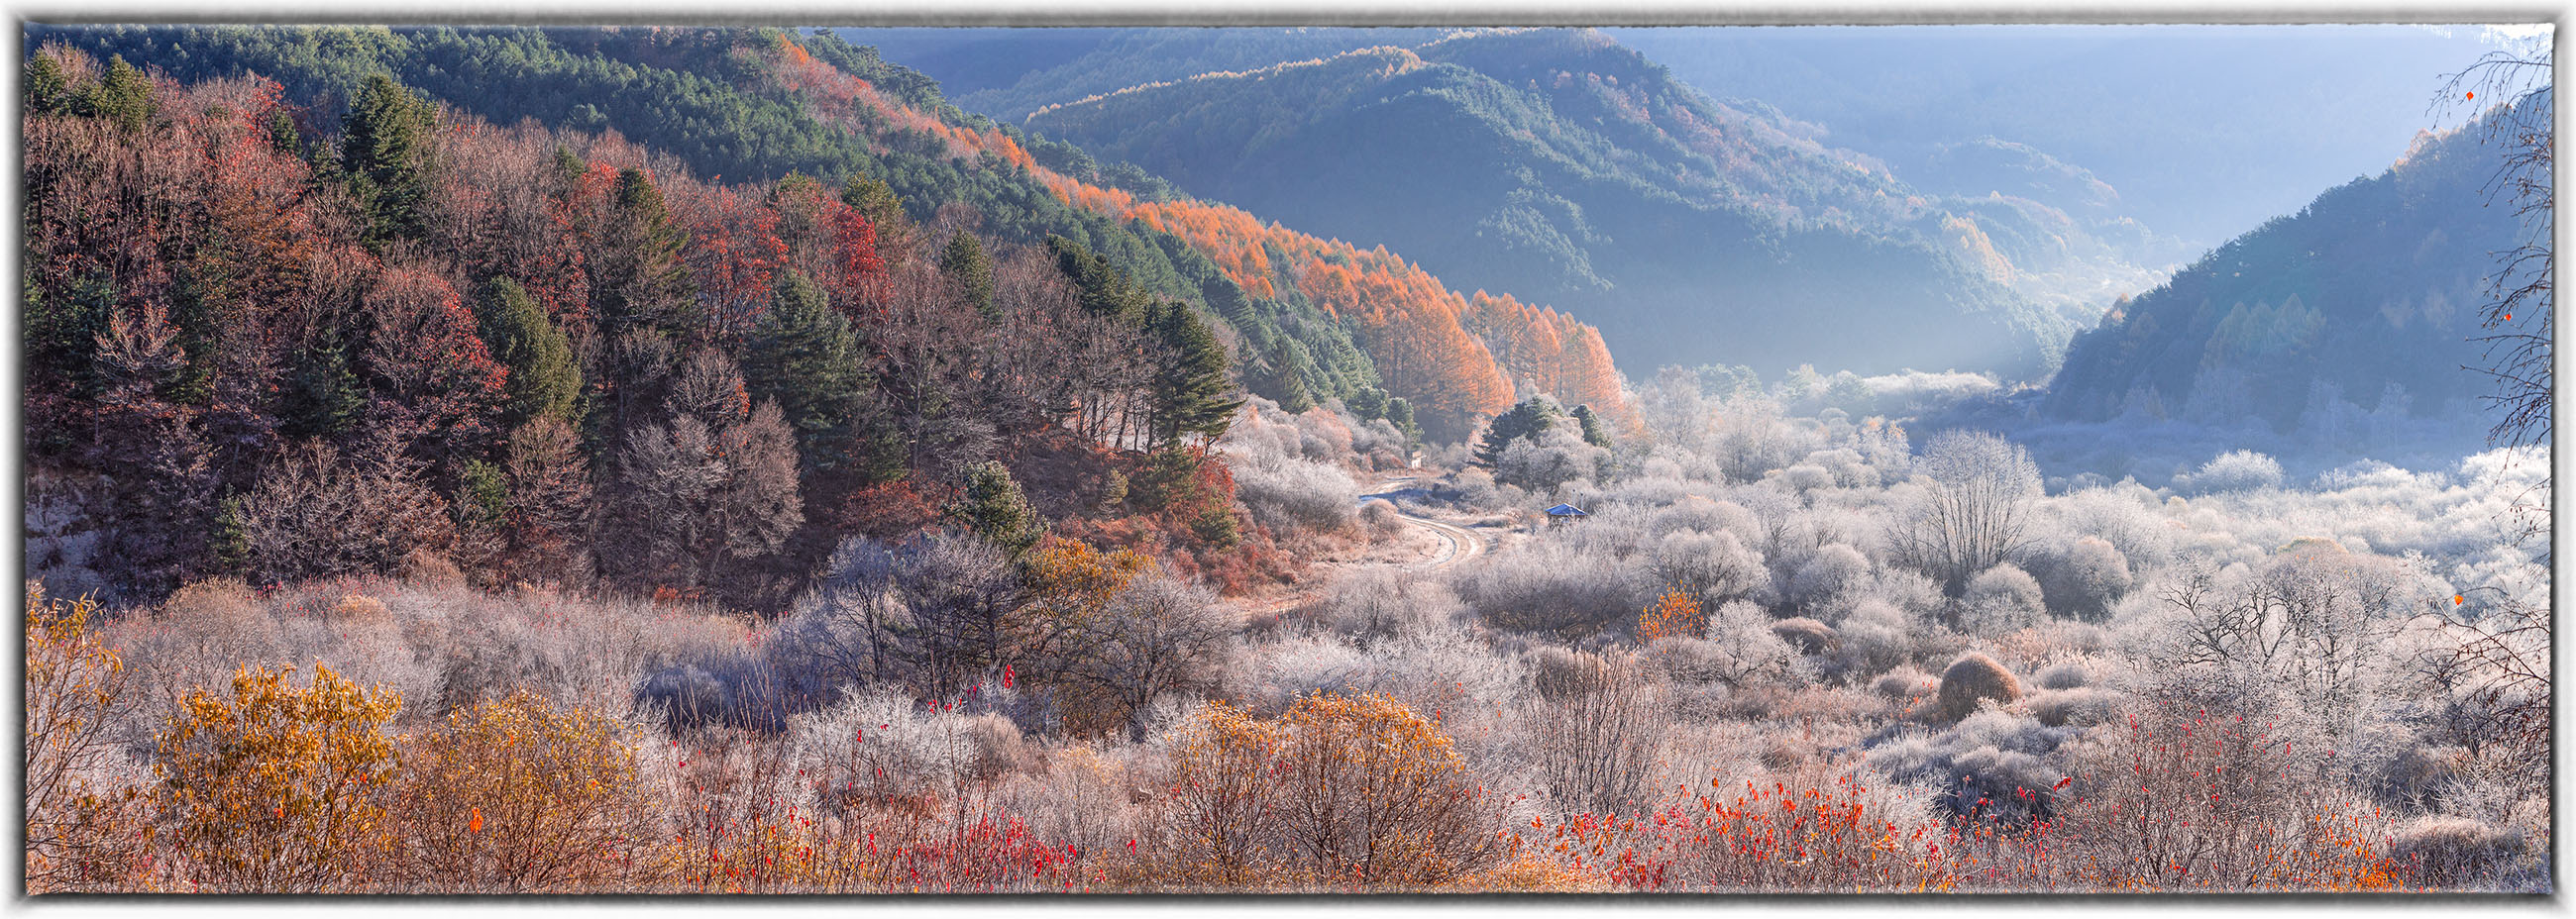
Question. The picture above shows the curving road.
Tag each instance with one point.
(1458, 543)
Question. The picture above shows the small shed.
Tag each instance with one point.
(1564, 513)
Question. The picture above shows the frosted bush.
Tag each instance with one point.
(1711, 567)
(1549, 586)
(1825, 579)
(2002, 599)
(1376, 604)
(1550, 461)
(1905, 683)
(2236, 470)
(1281, 671)
(887, 743)
(1874, 638)
(1293, 494)
(1979, 765)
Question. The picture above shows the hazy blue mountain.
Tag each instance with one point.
(1558, 165)
(2342, 328)
(2204, 131)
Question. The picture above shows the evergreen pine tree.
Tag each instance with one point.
(323, 395)
(231, 541)
(283, 136)
(125, 97)
(993, 506)
(1593, 432)
(967, 266)
(874, 199)
(641, 281)
(1190, 392)
(384, 152)
(568, 167)
(1100, 287)
(48, 91)
(1285, 377)
(544, 378)
(1399, 412)
(1368, 403)
(1527, 420)
(806, 356)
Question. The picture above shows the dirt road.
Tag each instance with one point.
(1458, 543)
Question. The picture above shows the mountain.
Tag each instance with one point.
(731, 106)
(2205, 131)
(2344, 326)
(1562, 165)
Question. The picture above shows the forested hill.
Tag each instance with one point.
(670, 310)
(743, 105)
(2351, 314)
(1560, 165)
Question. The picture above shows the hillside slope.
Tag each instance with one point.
(2336, 334)
(2366, 295)
(733, 105)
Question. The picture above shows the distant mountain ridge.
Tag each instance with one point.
(1561, 165)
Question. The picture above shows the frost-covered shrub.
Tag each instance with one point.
(2411, 776)
(1905, 683)
(1475, 488)
(1805, 477)
(2235, 470)
(1711, 567)
(883, 747)
(1827, 577)
(1554, 586)
(2079, 706)
(1706, 516)
(1971, 679)
(1375, 604)
(2002, 599)
(1873, 637)
(2069, 674)
(1296, 494)
(1807, 636)
(2448, 851)
(1381, 517)
(1549, 461)
(1990, 766)
(1740, 650)
(2084, 579)
(1437, 669)
(1848, 467)
(1593, 733)
(1558, 672)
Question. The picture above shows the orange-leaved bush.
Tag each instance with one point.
(76, 691)
(518, 795)
(1343, 792)
(279, 788)
(1673, 615)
